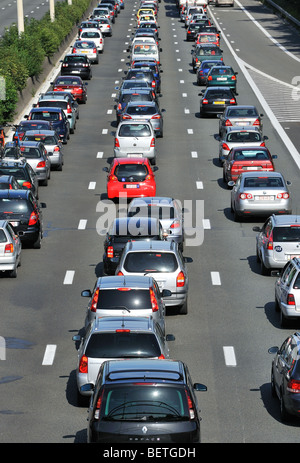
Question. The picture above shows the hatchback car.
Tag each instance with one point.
(146, 94)
(63, 94)
(277, 241)
(59, 101)
(104, 24)
(95, 35)
(167, 210)
(73, 84)
(25, 125)
(58, 118)
(10, 249)
(22, 211)
(163, 261)
(203, 52)
(160, 394)
(204, 68)
(36, 155)
(116, 337)
(87, 48)
(135, 139)
(287, 291)
(106, 11)
(9, 182)
(145, 110)
(130, 177)
(285, 376)
(145, 51)
(222, 75)
(154, 68)
(250, 158)
(215, 99)
(145, 74)
(76, 64)
(89, 24)
(260, 194)
(239, 136)
(52, 143)
(240, 115)
(124, 229)
(137, 296)
(23, 172)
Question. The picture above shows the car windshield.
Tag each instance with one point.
(137, 262)
(51, 116)
(155, 211)
(135, 130)
(128, 298)
(290, 233)
(13, 206)
(54, 104)
(263, 182)
(31, 153)
(144, 402)
(240, 155)
(68, 81)
(243, 137)
(122, 344)
(19, 173)
(242, 112)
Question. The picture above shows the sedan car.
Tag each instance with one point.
(222, 75)
(58, 118)
(135, 138)
(239, 136)
(87, 48)
(260, 194)
(52, 144)
(10, 249)
(25, 125)
(104, 25)
(204, 69)
(76, 64)
(203, 52)
(95, 35)
(240, 115)
(145, 110)
(215, 99)
(249, 158)
(287, 291)
(130, 177)
(127, 95)
(71, 84)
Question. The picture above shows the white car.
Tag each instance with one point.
(239, 136)
(88, 48)
(135, 138)
(95, 35)
(10, 249)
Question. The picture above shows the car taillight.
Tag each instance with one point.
(153, 83)
(110, 252)
(290, 299)
(233, 78)
(56, 148)
(263, 144)
(77, 89)
(180, 280)
(9, 248)
(246, 196)
(98, 406)
(95, 301)
(27, 184)
(94, 50)
(270, 242)
(153, 300)
(119, 107)
(117, 144)
(41, 164)
(65, 65)
(190, 405)
(228, 123)
(282, 196)
(293, 386)
(201, 73)
(256, 122)
(112, 178)
(156, 116)
(152, 144)
(209, 78)
(225, 147)
(126, 116)
(120, 274)
(175, 224)
(196, 60)
(149, 177)
(101, 41)
(232, 101)
(204, 101)
(33, 218)
(83, 364)
(69, 109)
(74, 50)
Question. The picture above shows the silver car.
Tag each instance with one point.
(10, 249)
(287, 291)
(167, 210)
(260, 194)
(145, 110)
(71, 100)
(277, 241)
(36, 155)
(104, 25)
(135, 138)
(224, 2)
(88, 48)
(52, 143)
(163, 261)
(132, 295)
(109, 338)
(239, 136)
(239, 115)
(60, 101)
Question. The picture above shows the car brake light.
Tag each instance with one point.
(204, 101)
(228, 123)
(41, 164)
(293, 386)
(110, 252)
(94, 50)
(83, 364)
(270, 242)
(282, 196)
(152, 144)
(120, 274)
(209, 78)
(153, 300)
(246, 196)
(263, 144)
(233, 78)
(256, 122)
(180, 280)
(69, 109)
(33, 218)
(126, 116)
(56, 148)
(156, 116)
(290, 299)
(190, 405)
(161, 357)
(95, 301)
(225, 147)
(74, 50)
(9, 248)
(175, 224)
(98, 406)
(232, 101)
(122, 331)
(27, 184)
(117, 144)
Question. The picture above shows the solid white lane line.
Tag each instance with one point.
(68, 280)
(190, 131)
(229, 354)
(82, 224)
(104, 131)
(215, 278)
(49, 354)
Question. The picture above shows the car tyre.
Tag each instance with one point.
(184, 308)
(264, 270)
(13, 273)
(273, 390)
(284, 415)
(283, 320)
(82, 401)
(37, 244)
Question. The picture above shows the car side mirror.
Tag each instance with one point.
(105, 169)
(200, 387)
(273, 350)
(256, 229)
(274, 156)
(170, 337)
(154, 168)
(231, 183)
(166, 293)
(86, 293)
(43, 205)
(76, 338)
(275, 273)
(188, 260)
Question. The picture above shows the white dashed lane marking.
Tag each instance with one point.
(69, 276)
(49, 354)
(215, 278)
(229, 354)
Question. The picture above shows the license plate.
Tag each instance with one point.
(221, 78)
(243, 123)
(135, 155)
(219, 102)
(265, 198)
(14, 224)
(293, 255)
(251, 168)
(75, 72)
(131, 186)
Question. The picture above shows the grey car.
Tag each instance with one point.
(145, 110)
(52, 143)
(10, 249)
(36, 155)
(240, 115)
(163, 261)
(277, 241)
(168, 210)
(132, 295)
(287, 291)
(88, 48)
(60, 101)
(109, 338)
(260, 194)
(239, 136)
(135, 139)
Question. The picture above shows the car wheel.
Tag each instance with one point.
(273, 390)
(184, 308)
(45, 182)
(264, 270)
(37, 244)
(82, 401)
(283, 320)
(13, 273)
(284, 415)
(59, 167)
(277, 306)
(72, 130)
(236, 217)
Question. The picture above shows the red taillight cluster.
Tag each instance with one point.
(154, 303)
(83, 364)
(152, 144)
(283, 196)
(110, 252)
(293, 386)
(246, 196)
(41, 164)
(180, 280)
(256, 122)
(9, 248)
(95, 301)
(117, 143)
(190, 405)
(33, 218)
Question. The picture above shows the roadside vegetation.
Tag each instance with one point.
(290, 6)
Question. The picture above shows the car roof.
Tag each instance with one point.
(135, 122)
(247, 148)
(242, 128)
(130, 161)
(30, 143)
(3, 223)
(144, 224)
(145, 369)
(261, 173)
(144, 103)
(157, 245)
(14, 194)
(125, 281)
(240, 106)
(128, 323)
(162, 200)
(286, 219)
(46, 108)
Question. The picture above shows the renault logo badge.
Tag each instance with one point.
(144, 430)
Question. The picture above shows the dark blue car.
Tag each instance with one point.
(154, 68)
(204, 68)
(30, 125)
(58, 118)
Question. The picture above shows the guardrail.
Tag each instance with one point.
(283, 12)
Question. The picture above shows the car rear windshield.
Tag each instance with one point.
(90, 35)
(17, 172)
(207, 38)
(219, 71)
(141, 110)
(54, 104)
(84, 45)
(145, 49)
(131, 299)
(140, 75)
(241, 155)
(157, 212)
(15, 206)
(135, 97)
(288, 234)
(144, 402)
(135, 84)
(124, 171)
(48, 115)
(164, 262)
(47, 140)
(68, 81)
(263, 182)
(209, 51)
(243, 137)
(33, 126)
(30, 153)
(242, 112)
(135, 130)
(218, 93)
(122, 345)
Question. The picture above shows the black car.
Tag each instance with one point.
(215, 99)
(127, 95)
(195, 28)
(144, 401)
(123, 230)
(285, 376)
(145, 74)
(22, 211)
(23, 172)
(9, 182)
(76, 64)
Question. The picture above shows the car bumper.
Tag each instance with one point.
(8, 263)
(212, 109)
(262, 209)
(55, 160)
(84, 74)
(41, 175)
(123, 153)
(177, 299)
(139, 191)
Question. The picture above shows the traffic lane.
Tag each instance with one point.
(245, 37)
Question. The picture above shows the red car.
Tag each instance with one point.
(73, 84)
(243, 159)
(131, 177)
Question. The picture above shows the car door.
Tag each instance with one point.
(286, 284)
(280, 364)
(263, 237)
(280, 283)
